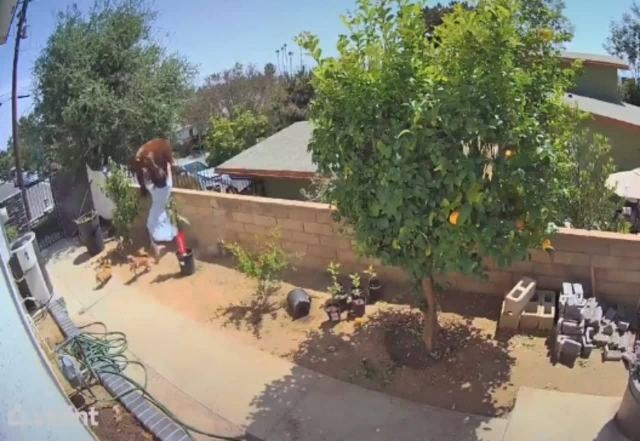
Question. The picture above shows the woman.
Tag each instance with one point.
(161, 228)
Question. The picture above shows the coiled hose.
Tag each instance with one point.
(104, 352)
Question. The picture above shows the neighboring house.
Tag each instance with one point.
(186, 135)
(208, 178)
(597, 92)
(281, 162)
(284, 166)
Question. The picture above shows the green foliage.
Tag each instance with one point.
(229, 136)
(355, 280)
(433, 16)
(6, 163)
(630, 91)
(624, 39)
(12, 233)
(222, 92)
(265, 264)
(283, 99)
(587, 201)
(103, 86)
(291, 103)
(371, 273)
(125, 199)
(335, 289)
(552, 10)
(419, 136)
(319, 190)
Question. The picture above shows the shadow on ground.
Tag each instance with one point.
(328, 409)
(461, 373)
(250, 314)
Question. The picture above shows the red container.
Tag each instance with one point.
(182, 250)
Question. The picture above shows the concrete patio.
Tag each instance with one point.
(213, 381)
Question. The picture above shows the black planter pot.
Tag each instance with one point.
(374, 290)
(344, 302)
(358, 307)
(187, 262)
(299, 303)
(90, 232)
(333, 310)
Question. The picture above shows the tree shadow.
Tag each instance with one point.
(461, 375)
(250, 314)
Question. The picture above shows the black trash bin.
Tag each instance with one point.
(91, 233)
(187, 262)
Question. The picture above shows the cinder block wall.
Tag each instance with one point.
(310, 234)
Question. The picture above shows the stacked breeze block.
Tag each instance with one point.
(528, 309)
(587, 323)
(515, 303)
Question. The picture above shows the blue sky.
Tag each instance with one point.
(214, 34)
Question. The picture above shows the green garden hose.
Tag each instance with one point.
(104, 353)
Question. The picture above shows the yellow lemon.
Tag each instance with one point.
(546, 244)
(453, 218)
(508, 154)
(546, 34)
(520, 224)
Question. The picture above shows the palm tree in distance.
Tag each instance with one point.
(278, 56)
(291, 61)
(284, 56)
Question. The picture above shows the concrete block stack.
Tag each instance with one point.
(526, 309)
(586, 323)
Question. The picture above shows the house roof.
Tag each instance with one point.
(284, 154)
(596, 59)
(623, 115)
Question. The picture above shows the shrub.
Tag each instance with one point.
(265, 264)
(12, 234)
(125, 198)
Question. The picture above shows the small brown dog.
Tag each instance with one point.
(136, 262)
(103, 275)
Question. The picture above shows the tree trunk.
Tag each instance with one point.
(430, 330)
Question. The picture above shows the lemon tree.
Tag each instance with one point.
(442, 155)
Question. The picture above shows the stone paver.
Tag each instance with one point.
(560, 416)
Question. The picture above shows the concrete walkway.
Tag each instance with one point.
(211, 380)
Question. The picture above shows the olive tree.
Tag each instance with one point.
(104, 86)
(444, 155)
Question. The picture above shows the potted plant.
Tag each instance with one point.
(332, 306)
(358, 297)
(374, 285)
(340, 293)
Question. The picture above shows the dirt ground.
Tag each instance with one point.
(474, 371)
(114, 422)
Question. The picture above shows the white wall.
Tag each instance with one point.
(29, 389)
(102, 204)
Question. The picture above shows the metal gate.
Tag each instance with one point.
(44, 213)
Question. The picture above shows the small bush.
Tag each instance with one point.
(125, 198)
(12, 234)
(265, 265)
